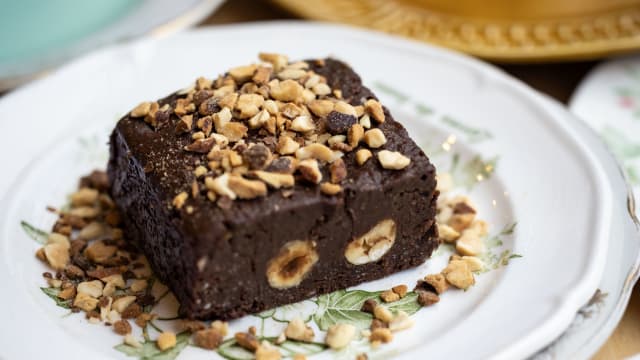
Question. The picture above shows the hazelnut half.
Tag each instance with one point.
(293, 262)
(372, 245)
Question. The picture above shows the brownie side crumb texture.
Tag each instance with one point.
(214, 256)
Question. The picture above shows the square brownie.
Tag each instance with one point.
(270, 184)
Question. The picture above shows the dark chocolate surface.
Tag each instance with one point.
(215, 258)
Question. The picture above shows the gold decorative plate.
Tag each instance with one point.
(500, 30)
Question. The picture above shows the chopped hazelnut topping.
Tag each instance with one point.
(242, 73)
(315, 151)
(262, 75)
(321, 108)
(201, 146)
(335, 139)
(180, 199)
(275, 180)
(246, 189)
(298, 330)
(234, 131)
(338, 171)
(330, 189)
(365, 121)
(259, 119)
(278, 61)
(287, 145)
(166, 340)
(257, 156)
(220, 185)
(393, 160)
(362, 156)
(302, 123)
(200, 171)
(249, 105)
(374, 138)
(287, 90)
(321, 89)
(355, 135)
(310, 171)
(374, 108)
(291, 73)
(141, 110)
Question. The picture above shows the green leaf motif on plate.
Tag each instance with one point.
(475, 170)
(53, 294)
(344, 306)
(474, 135)
(627, 151)
(149, 350)
(389, 90)
(36, 234)
(303, 310)
(494, 260)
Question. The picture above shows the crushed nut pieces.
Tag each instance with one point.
(252, 116)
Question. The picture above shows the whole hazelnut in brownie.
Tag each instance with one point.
(272, 183)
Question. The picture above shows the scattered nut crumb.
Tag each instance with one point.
(122, 327)
(340, 335)
(426, 298)
(382, 313)
(298, 330)
(166, 340)
(381, 334)
(389, 296)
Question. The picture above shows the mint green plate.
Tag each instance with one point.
(37, 35)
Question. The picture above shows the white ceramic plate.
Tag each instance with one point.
(506, 146)
(608, 101)
(141, 17)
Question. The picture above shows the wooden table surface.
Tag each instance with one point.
(556, 80)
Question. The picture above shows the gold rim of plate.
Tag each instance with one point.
(498, 30)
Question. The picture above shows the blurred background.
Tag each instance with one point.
(549, 44)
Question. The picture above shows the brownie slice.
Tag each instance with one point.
(271, 184)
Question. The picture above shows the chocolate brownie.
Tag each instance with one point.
(270, 184)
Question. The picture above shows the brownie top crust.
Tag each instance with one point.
(268, 137)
